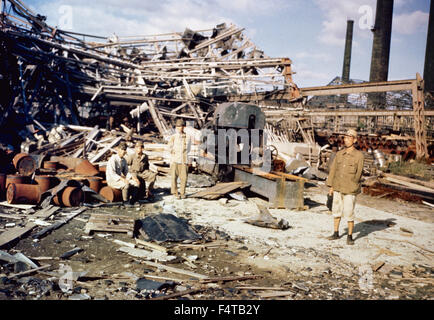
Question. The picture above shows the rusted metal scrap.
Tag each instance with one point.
(54, 76)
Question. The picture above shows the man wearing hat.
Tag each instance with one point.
(118, 177)
(139, 167)
(179, 145)
(344, 182)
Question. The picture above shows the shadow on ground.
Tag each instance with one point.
(366, 227)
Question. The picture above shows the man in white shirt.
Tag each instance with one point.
(118, 177)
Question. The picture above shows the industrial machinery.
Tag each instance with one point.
(234, 148)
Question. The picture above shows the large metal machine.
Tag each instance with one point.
(234, 148)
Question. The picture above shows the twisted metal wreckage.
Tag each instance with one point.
(52, 75)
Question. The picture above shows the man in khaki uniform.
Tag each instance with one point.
(344, 182)
(179, 144)
(139, 167)
(118, 177)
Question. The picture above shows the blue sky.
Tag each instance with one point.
(311, 33)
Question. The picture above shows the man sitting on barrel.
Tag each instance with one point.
(139, 168)
(118, 177)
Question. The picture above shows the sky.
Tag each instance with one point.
(311, 32)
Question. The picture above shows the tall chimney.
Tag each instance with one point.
(428, 73)
(347, 54)
(381, 49)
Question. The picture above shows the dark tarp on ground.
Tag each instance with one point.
(167, 227)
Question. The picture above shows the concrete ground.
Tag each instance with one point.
(378, 234)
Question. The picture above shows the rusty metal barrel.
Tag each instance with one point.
(46, 182)
(95, 183)
(17, 179)
(23, 194)
(86, 168)
(112, 195)
(69, 197)
(24, 164)
(72, 196)
(50, 165)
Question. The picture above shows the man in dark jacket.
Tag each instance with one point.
(139, 167)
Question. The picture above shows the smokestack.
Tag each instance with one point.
(347, 54)
(381, 48)
(428, 73)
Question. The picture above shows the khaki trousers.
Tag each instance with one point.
(178, 170)
(343, 205)
(147, 179)
(150, 177)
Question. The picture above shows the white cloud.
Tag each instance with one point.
(313, 56)
(254, 7)
(336, 13)
(144, 17)
(307, 75)
(410, 23)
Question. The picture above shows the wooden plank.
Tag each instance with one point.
(428, 204)
(175, 270)
(28, 271)
(46, 212)
(12, 216)
(258, 172)
(276, 294)
(415, 181)
(141, 253)
(58, 224)
(88, 144)
(224, 279)
(15, 233)
(96, 227)
(289, 176)
(151, 245)
(410, 185)
(17, 206)
(219, 190)
(165, 278)
(106, 149)
(70, 140)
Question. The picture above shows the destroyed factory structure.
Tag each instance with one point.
(69, 99)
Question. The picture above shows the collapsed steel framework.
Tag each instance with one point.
(52, 75)
(48, 73)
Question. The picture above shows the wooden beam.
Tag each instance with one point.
(15, 233)
(175, 270)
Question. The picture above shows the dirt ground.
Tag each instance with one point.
(397, 236)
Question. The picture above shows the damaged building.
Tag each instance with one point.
(261, 150)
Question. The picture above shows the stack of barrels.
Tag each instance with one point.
(20, 188)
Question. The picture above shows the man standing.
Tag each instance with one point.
(139, 168)
(118, 177)
(179, 145)
(344, 182)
